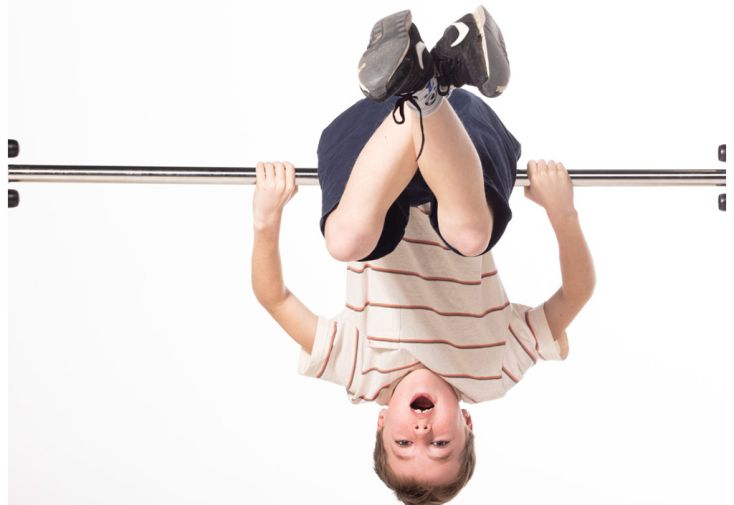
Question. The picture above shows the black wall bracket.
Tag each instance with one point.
(13, 151)
(722, 158)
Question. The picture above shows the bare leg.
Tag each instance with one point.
(383, 169)
(450, 166)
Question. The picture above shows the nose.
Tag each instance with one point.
(421, 426)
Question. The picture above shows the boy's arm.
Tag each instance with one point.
(551, 188)
(274, 188)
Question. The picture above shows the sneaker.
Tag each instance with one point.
(472, 51)
(396, 61)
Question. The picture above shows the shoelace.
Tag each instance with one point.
(400, 108)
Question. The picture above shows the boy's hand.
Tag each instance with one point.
(275, 186)
(550, 187)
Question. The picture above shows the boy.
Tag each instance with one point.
(427, 322)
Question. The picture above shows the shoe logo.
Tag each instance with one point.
(463, 30)
(419, 48)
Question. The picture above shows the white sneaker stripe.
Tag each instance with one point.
(419, 48)
(463, 30)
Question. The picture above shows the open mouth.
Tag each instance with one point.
(421, 404)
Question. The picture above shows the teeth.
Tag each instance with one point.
(421, 411)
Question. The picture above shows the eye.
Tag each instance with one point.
(403, 443)
(441, 443)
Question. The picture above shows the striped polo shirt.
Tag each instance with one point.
(424, 306)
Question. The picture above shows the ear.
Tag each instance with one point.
(381, 419)
(467, 419)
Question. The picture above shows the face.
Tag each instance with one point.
(423, 429)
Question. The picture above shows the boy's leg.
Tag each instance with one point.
(450, 166)
(383, 168)
(449, 162)
(396, 62)
(471, 51)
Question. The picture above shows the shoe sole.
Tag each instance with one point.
(379, 63)
(491, 87)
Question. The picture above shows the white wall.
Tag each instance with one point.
(142, 370)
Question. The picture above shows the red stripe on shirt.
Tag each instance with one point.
(437, 341)
(527, 351)
(376, 394)
(380, 390)
(426, 212)
(416, 274)
(328, 354)
(375, 369)
(424, 307)
(537, 344)
(354, 362)
(514, 379)
(467, 376)
(426, 242)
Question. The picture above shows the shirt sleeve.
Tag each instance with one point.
(536, 324)
(332, 356)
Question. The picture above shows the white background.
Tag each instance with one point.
(141, 368)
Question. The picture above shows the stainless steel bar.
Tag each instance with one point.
(308, 176)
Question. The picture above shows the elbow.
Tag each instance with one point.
(262, 300)
(586, 295)
(591, 285)
(581, 293)
(257, 291)
(270, 302)
(268, 297)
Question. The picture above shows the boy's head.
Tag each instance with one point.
(424, 450)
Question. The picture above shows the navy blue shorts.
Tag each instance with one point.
(343, 140)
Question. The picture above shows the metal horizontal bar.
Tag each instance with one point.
(308, 176)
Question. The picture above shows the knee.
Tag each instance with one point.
(469, 234)
(471, 242)
(347, 243)
(343, 248)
